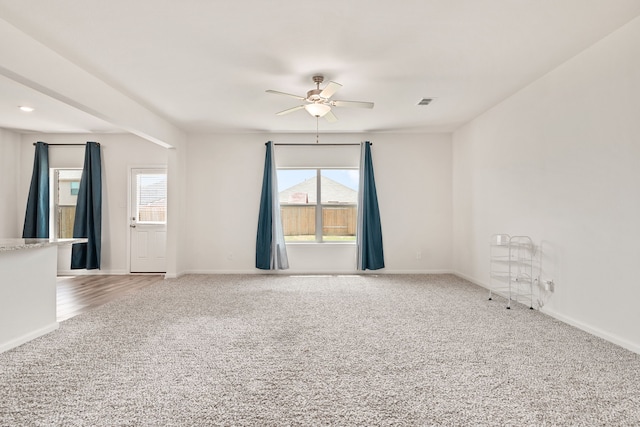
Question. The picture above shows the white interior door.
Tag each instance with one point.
(148, 220)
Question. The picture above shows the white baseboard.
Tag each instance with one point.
(259, 271)
(593, 330)
(385, 271)
(471, 279)
(28, 337)
(294, 271)
(91, 272)
(213, 272)
(573, 322)
(175, 275)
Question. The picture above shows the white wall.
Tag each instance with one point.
(413, 178)
(10, 226)
(119, 153)
(223, 181)
(560, 161)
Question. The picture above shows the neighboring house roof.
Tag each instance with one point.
(153, 194)
(332, 192)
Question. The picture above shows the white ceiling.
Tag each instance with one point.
(204, 66)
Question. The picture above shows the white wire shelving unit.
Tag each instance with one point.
(511, 268)
(499, 265)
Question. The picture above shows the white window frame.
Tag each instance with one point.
(53, 199)
(319, 207)
(152, 171)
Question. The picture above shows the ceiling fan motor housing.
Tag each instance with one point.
(314, 95)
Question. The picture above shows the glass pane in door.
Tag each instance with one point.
(151, 203)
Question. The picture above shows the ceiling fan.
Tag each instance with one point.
(318, 102)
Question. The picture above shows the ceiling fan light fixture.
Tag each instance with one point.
(317, 110)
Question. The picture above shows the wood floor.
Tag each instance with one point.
(78, 294)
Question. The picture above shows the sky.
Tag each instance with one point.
(287, 178)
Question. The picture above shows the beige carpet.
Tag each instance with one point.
(272, 350)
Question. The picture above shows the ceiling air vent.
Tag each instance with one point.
(425, 101)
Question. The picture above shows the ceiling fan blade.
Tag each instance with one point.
(356, 104)
(286, 94)
(290, 110)
(331, 88)
(331, 118)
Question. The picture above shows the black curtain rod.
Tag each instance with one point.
(314, 144)
(67, 144)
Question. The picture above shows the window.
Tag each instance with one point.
(318, 205)
(65, 196)
(151, 200)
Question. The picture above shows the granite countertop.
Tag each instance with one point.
(17, 244)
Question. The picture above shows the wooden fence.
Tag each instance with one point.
(67, 214)
(337, 220)
(152, 214)
(66, 218)
(297, 220)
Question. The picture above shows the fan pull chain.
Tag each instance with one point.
(317, 137)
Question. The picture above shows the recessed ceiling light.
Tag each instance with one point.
(26, 109)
